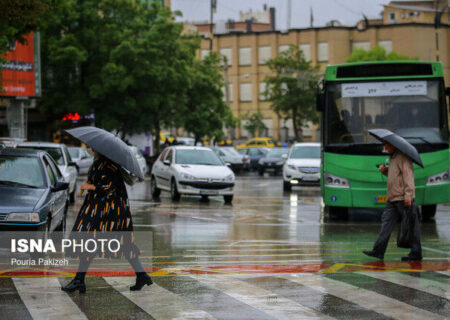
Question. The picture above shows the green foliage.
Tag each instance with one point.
(206, 112)
(377, 53)
(292, 87)
(255, 123)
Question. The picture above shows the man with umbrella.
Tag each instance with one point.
(400, 192)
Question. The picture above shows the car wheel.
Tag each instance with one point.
(204, 199)
(428, 212)
(261, 172)
(236, 171)
(154, 188)
(174, 194)
(286, 186)
(228, 199)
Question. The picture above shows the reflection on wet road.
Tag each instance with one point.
(269, 255)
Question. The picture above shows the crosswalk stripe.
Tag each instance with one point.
(269, 302)
(45, 300)
(370, 300)
(433, 287)
(429, 302)
(446, 273)
(211, 300)
(157, 301)
(11, 305)
(317, 300)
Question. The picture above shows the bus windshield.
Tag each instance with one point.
(412, 109)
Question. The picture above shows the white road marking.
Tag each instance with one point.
(436, 250)
(365, 298)
(45, 300)
(157, 301)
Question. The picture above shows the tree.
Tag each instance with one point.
(206, 113)
(377, 53)
(255, 123)
(292, 87)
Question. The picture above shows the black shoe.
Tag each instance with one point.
(412, 258)
(142, 279)
(372, 253)
(75, 284)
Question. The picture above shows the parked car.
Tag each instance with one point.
(258, 142)
(10, 142)
(302, 165)
(186, 141)
(273, 160)
(33, 191)
(82, 158)
(192, 171)
(231, 156)
(140, 159)
(62, 157)
(254, 155)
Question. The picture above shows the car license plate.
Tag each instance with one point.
(381, 199)
(209, 192)
(309, 179)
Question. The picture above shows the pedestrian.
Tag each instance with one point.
(105, 209)
(400, 193)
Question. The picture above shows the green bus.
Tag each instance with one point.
(406, 97)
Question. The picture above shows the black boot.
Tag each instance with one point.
(142, 279)
(75, 284)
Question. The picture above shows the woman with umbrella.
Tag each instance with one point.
(106, 207)
(400, 192)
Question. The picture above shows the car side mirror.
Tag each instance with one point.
(73, 164)
(320, 101)
(60, 186)
(166, 162)
(228, 164)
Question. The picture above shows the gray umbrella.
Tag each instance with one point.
(110, 146)
(398, 142)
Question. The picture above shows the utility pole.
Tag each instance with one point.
(227, 89)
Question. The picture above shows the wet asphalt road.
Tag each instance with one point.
(269, 255)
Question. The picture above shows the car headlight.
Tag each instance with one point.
(229, 178)
(438, 179)
(335, 181)
(23, 217)
(279, 163)
(290, 166)
(187, 176)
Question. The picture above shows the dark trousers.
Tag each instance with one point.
(391, 214)
(85, 262)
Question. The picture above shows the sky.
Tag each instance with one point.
(347, 11)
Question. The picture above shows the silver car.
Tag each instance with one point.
(82, 158)
(61, 155)
(231, 156)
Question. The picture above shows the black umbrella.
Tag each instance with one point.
(398, 142)
(110, 146)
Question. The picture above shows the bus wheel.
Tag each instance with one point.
(428, 212)
(338, 213)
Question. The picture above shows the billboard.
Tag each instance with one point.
(21, 71)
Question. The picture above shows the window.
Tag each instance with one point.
(306, 48)
(163, 155)
(55, 169)
(245, 56)
(245, 93)
(365, 45)
(282, 48)
(322, 49)
(50, 174)
(264, 54)
(262, 89)
(204, 53)
(227, 53)
(386, 44)
(169, 156)
(391, 16)
(230, 91)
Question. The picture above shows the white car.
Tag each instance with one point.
(192, 171)
(82, 158)
(61, 155)
(140, 159)
(302, 165)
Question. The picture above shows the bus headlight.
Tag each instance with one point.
(335, 181)
(437, 179)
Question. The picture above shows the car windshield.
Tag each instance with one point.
(230, 151)
(74, 152)
(21, 172)
(408, 108)
(305, 153)
(276, 153)
(200, 157)
(56, 153)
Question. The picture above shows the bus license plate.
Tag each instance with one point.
(381, 199)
